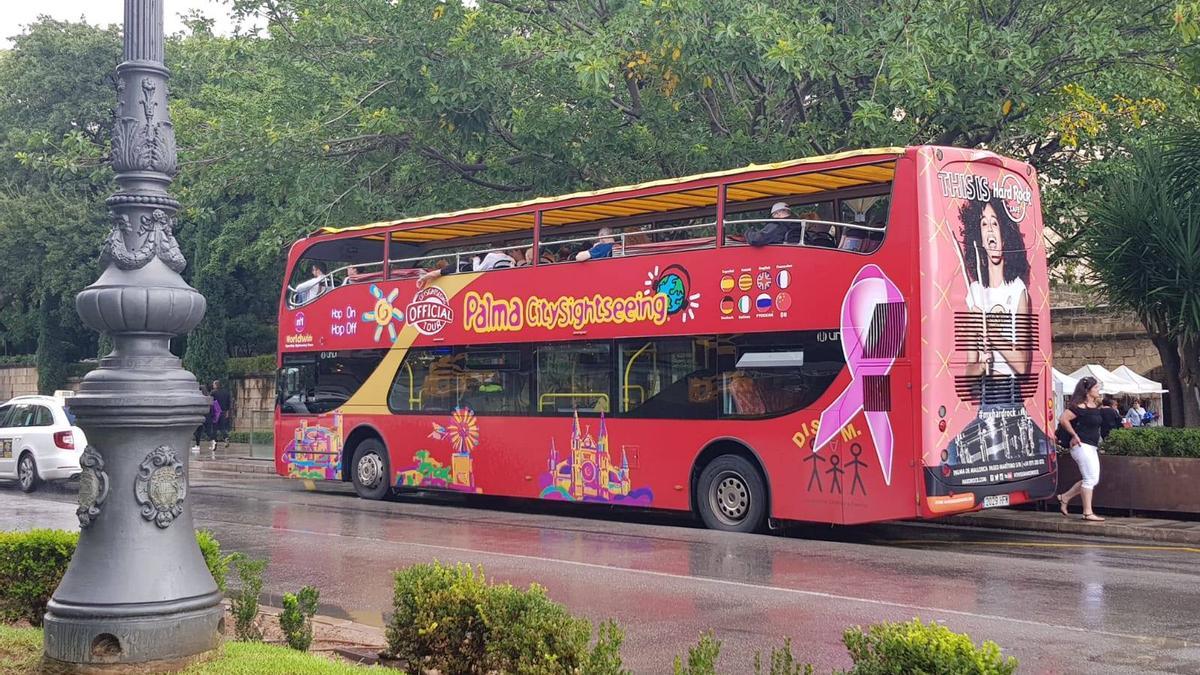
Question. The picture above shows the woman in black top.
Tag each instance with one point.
(1110, 415)
(1084, 419)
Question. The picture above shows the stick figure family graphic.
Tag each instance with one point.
(836, 470)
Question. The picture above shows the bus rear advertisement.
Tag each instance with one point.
(844, 339)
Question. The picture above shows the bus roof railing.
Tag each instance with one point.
(309, 290)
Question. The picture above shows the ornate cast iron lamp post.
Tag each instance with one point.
(137, 589)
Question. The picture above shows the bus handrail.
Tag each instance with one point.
(299, 295)
(543, 398)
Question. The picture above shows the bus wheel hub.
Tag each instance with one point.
(733, 498)
(370, 470)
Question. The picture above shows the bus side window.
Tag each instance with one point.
(428, 380)
(777, 373)
(496, 380)
(574, 376)
(671, 378)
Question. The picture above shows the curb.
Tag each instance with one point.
(1110, 529)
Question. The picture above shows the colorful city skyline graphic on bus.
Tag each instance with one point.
(587, 473)
(315, 452)
(462, 432)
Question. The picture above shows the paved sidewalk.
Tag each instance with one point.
(1159, 530)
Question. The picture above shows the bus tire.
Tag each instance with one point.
(731, 495)
(371, 471)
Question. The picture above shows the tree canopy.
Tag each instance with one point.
(344, 111)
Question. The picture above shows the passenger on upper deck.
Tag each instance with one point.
(603, 248)
(493, 260)
(773, 233)
(311, 288)
(817, 233)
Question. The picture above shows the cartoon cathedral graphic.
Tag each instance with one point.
(316, 451)
(588, 473)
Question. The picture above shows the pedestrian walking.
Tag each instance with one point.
(221, 430)
(1083, 419)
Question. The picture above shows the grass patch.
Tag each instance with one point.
(20, 649)
(21, 654)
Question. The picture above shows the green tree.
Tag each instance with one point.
(51, 357)
(1143, 245)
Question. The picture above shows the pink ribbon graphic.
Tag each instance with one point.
(870, 288)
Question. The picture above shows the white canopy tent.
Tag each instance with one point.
(1123, 381)
(1141, 385)
(1110, 383)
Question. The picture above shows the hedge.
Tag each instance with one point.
(1153, 442)
(245, 366)
(33, 562)
(255, 437)
(18, 360)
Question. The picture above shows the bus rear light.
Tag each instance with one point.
(941, 425)
(64, 440)
(945, 470)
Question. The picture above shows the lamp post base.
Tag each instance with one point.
(163, 640)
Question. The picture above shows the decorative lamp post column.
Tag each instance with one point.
(137, 589)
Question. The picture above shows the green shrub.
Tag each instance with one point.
(913, 647)
(247, 366)
(24, 360)
(31, 565)
(33, 562)
(782, 662)
(701, 659)
(218, 565)
(452, 620)
(244, 602)
(296, 619)
(256, 437)
(1154, 442)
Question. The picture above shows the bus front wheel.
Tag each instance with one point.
(371, 470)
(731, 495)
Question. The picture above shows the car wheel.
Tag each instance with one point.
(371, 472)
(731, 495)
(27, 475)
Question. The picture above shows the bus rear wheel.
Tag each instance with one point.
(731, 495)
(371, 472)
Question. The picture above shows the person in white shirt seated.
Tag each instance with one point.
(493, 260)
(311, 288)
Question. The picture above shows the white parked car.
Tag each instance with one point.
(38, 441)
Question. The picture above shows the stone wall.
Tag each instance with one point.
(1103, 336)
(253, 402)
(17, 381)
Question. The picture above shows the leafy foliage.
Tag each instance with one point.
(244, 601)
(701, 659)
(451, 619)
(1151, 212)
(347, 111)
(296, 618)
(913, 647)
(782, 662)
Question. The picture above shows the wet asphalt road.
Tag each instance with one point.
(1061, 605)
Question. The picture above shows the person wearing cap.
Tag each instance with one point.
(774, 233)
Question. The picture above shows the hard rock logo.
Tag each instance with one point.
(429, 311)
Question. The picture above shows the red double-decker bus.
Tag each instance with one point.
(846, 338)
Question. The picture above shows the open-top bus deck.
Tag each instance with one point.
(879, 351)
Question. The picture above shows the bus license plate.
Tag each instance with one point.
(993, 501)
